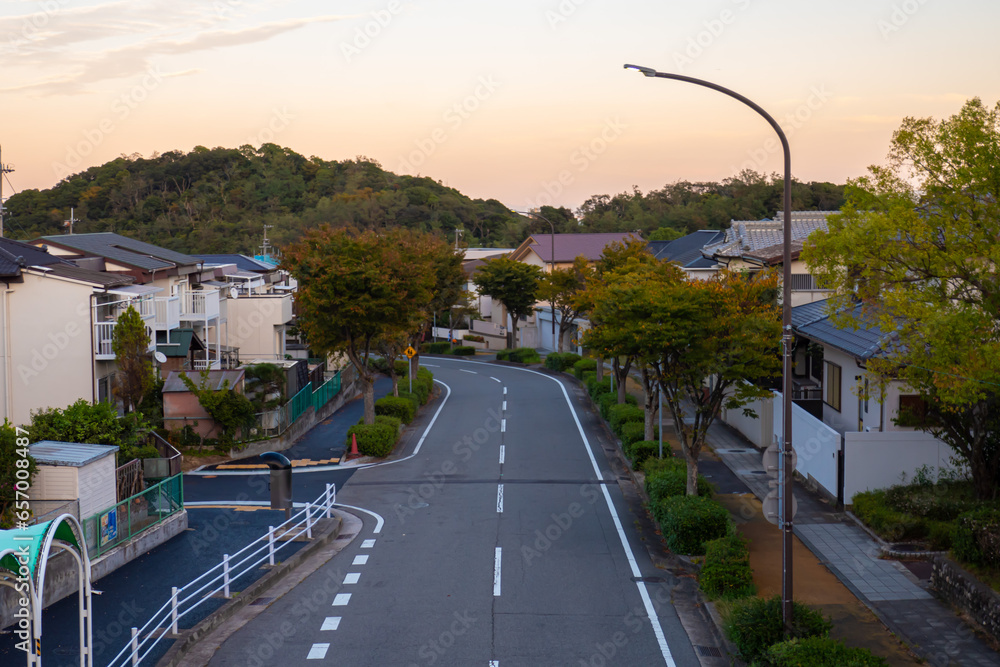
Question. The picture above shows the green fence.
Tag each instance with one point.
(300, 403)
(325, 394)
(120, 523)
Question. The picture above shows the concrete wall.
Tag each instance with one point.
(879, 460)
(256, 325)
(758, 430)
(964, 591)
(817, 446)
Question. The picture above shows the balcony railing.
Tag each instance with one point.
(168, 313)
(202, 305)
(103, 332)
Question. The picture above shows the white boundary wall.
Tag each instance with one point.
(817, 446)
(878, 460)
(759, 430)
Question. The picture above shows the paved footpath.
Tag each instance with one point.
(898, 597)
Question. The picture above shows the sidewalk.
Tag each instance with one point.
(901, 599)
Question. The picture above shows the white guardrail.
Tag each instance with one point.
(186, 599)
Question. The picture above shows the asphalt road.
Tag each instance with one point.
(500, 538)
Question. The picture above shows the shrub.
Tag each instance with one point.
(464, 350)
(977, 537)
(632, 432)
(672, 481)
(441, 347)
(584, 365)
(402, 367)
(503, 355)
(687, 522)
(395, 422)
(668, 462)
(560, 361)
(940, 534)
(755, 625)
(726, 572)
(401, 408)
(412, 398)
(605, 402)
(376, 439)
(525, 355)
(872, 509)
(474, 338)
(598, 389)
(588, 378)
(619, 415)
(820, 652)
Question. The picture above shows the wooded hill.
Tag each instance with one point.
(217, 200)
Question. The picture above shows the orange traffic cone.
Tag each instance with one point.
(354, 447)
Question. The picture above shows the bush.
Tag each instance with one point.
(423, 385)
(464, 351)
(597, 389)
(642, 450)
(584, 365)
(726, 572)
(441, 347)
(977, 537)
(668, 462)
(395, 422)
(401, 408)
(632, 432)
(560, 361)
(672, 481)
(376, 439)
(619, 415)
(605, 402)
(504, 355)
(755, 625)
(820, 652)
(941, 535)
(473, 337)
(412, 397)
(525, 355)
(872, 509)
(687, 522)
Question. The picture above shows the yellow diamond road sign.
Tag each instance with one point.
(409, 352)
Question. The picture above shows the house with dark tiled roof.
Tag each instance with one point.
(759, 244)
(538, 249)
(686, 252)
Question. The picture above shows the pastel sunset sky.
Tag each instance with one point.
(525, 101)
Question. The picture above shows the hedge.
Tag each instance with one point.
(440, 347)
(726, 572)
(423, 384)
(525, 355)
(464, 350)
(643, 451)
(619, 415)
(632, 432)
(560, 361)
(402, 408)
(820, 652)
(687, 522)
(672, 481)
(755, 625)
(584, 365)
(410, 397)
(376, 439)
(605, 402)
(597, 389)
(872, 509)
(977, 537)
(476, 338)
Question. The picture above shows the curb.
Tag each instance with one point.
(187, 639)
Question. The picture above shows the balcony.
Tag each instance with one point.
(168, 313)
(200, 306)
(104, 334)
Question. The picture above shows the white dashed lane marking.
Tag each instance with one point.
(496, 573)
(352, 578)
(360, 560)
(500, 499)
(494, 379)
(465, 371)
(341, 600)
(318, 652)
(368, 544)
(331, 623)
(502, 450)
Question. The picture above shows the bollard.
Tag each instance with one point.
(331, 497)
(135, 646)
(309, 523)
(270, 545)
(173, 610)
(225, 575)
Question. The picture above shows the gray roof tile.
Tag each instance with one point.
(813, 321)
(123, 249)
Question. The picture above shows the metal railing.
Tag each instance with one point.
(103, 333)
(123, 521)
(273, 423)
(46, 510)
(168, 312)
(167, 464)
(221, 578)
(200, 305)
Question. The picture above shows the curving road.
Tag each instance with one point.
(499, 538)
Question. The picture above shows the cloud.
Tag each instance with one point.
(65, 51)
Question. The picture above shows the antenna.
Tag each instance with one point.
(4, 170)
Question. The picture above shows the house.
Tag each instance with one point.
(56, 321)
(759, 244)
(182, 348)
(686, 252)
(181, 407)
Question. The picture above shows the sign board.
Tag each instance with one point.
(409, 352)
(771, 507)
(109, 526)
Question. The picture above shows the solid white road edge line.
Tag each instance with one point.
(643, 592)
(496, 573)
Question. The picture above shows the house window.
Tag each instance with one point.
(866, 395)
(912, 411)
(831, 385)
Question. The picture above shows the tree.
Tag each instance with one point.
(562, 287)
(94, 423)
(514, 284)
(232, 411)
(14, 457)
(355, 287)
(916, 248)
(448, 288)
(130, 343)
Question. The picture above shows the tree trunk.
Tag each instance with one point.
(559, 332)
(395, 384)
(652, 410)
(692, 473)
(600, 369)
(368, 390)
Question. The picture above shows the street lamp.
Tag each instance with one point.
(552, 303)
(785, 446)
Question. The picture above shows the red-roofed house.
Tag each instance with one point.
(537, 248)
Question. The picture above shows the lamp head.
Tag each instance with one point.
(646, 71)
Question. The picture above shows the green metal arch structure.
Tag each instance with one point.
(24, 558)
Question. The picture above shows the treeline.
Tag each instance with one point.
(219, 199)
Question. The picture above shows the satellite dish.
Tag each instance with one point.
(233, 292)
(160, 357)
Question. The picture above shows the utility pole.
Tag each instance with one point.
(458, 233)
(4, 170)
(71, 220)
(266, 245)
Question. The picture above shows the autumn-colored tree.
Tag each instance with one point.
(916, 246)
(130, 343)
(514, 284)
(355, 287)
(449, 280)
(562, 287)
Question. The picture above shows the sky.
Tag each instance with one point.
(525, 101)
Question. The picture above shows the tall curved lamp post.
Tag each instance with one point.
(552, 261)
(785, 451)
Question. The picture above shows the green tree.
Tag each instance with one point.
(563, 288)
(130, 343)
(232, 411)
(916, 248)
(14, 457)
(514, 284)
(93, 423)
(355, 287)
